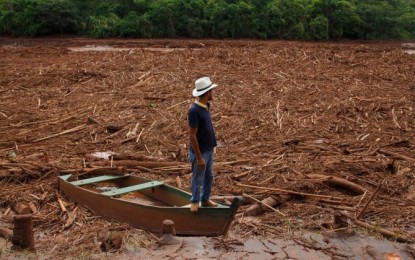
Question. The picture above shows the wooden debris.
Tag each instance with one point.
(256, 209)
(61, 205)
(179, 182)
(71, 219)
(112, 242)
(358, 136)
(168, 227)
(384, 232)
(226, 198)
(72, 130)
(23, 232)
(6, 233)
(22, 209)
(336, 181)
(338, 222)
(6, 213)
(132, 164)
(336, 202)
(370, 200)
(240, 175)
(33, 207)
(117, 132)
(288, 191)
(169, 233)
(397, 155)
(104, 170)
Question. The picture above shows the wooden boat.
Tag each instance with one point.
(145, 204)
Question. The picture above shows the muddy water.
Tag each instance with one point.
(299, 246)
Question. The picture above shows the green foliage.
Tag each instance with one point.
(319, 28)
(266, 19)
(340, 15)
(104, 26)
(385, 19)
(234, 19)
(407, 22)
(30, 17)
(294, 16)
(272, 21)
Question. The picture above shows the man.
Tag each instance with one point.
(202, 143)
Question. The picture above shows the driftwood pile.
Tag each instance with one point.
(313, 135)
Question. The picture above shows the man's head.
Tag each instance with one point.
(203, 86)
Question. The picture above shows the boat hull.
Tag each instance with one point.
(205, 222)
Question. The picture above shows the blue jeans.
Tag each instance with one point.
(202, 178)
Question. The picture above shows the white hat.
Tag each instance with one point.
(202, 86)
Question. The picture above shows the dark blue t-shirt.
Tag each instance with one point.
(199, 118)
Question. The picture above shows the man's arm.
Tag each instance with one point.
(195, 145)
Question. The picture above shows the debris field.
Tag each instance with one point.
(321, 133)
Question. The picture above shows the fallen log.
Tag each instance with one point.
(384, 232)
(336, 181)
(397, 155)
(268, 202)
(68, 131)
(288, 191)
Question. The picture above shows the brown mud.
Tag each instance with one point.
(286, 114)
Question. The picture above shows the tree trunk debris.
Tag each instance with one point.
(339, 182)
(23, 232)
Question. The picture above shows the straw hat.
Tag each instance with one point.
(202, 86)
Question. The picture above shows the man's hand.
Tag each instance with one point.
(201, 164)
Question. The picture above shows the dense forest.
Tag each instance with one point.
(260, 19)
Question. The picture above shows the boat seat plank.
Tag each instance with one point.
(137, 187)
(95, 180)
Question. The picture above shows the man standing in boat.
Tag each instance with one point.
(202, 144)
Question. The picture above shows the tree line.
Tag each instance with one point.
(255, 19)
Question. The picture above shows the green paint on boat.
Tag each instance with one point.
(138, 187)
(95, 180)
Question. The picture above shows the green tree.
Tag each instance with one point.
(319, 28)
(294, 15)
(380, 19)
(105, 26)
(234, 19)
(407, 22)
(55, 17)
(340, 14)
(272, 20)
